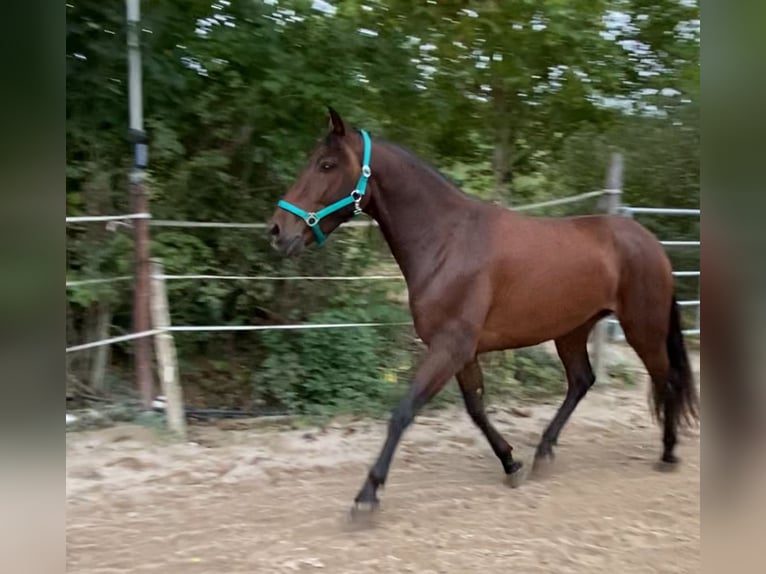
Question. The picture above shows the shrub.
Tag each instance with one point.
(322, 371)
(538, 372)
(622, 372)
(530, 372)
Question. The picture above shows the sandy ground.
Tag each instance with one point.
(236, 501)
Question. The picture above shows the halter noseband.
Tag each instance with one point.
(312, 219)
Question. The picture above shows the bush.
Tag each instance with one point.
(530, 372)
(366, 370)
(538, 372)
(325, 371)
(622, 372)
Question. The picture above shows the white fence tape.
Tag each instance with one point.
(96, 218)
(364, 223)
(113, 340)
(234, 225)
(661, 210)
(560, 201)
(351, 224)
(227, 328)
(295, 327)
(284, 278)
(680, 243)
(97, 281)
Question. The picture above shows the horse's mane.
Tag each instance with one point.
(426, 165)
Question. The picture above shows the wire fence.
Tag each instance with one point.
(631, 211)
(627, 210)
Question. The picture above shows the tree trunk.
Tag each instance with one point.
(502, 158)
(72, 361)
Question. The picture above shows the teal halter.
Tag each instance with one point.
(312, 219)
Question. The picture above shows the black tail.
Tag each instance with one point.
(680, 388)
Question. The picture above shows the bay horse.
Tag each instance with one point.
(484, 278)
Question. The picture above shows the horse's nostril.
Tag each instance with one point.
(274, 231)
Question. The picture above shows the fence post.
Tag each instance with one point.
(613, 205)
(167, 360)
(141, 293)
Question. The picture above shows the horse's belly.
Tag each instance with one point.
(521, 332)
(535, 314)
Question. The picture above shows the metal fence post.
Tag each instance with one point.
(613, 205)
(167, 360)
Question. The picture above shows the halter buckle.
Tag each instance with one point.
(311, 219)
(366, 171)
(356, 195)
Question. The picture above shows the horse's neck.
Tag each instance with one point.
(416, 210)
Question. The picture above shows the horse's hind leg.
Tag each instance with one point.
(471, 381)
(652, 336)
(573, 351)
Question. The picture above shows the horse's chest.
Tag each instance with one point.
(447, 305)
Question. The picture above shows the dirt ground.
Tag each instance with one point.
(236, 501)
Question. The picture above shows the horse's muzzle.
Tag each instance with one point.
(288, 246)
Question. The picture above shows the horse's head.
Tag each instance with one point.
(329, 190)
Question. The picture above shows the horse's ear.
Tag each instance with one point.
(336, 123)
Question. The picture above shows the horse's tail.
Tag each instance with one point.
(680, 390)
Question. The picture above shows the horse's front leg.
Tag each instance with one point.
(446, 355)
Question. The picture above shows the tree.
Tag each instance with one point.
(520, 100)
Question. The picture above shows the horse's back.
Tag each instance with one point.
(555, 247)
(551, 275)
(632, 252)
(621, 244)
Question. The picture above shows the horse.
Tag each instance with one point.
(483, 278)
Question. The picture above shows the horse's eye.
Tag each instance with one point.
(326, 166)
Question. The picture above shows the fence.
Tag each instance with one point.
(162, 330)
(631, 211)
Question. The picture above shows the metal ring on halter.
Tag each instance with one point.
(311, 219)
(356, 195)
(366, 171)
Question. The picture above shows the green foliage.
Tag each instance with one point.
(538, 372)
(623, 373)
(318, 371)
(516, 101)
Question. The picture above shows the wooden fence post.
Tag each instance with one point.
(613, 204)
(140, 204)
(167, 360)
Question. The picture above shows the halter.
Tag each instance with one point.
(312, 219)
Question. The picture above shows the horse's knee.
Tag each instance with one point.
(401, 417)
(474, 403)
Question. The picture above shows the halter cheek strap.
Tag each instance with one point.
(312, 219)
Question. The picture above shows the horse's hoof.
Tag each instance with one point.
(542, 465)
(668, 463)
(518, 474)
(670, 458)
(365, 507)
(362, 513)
